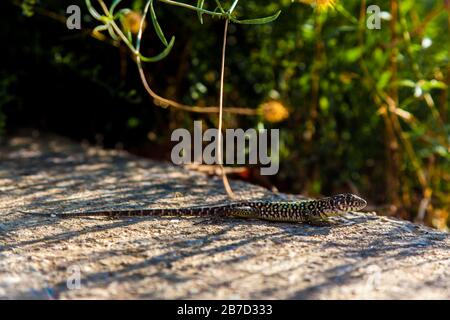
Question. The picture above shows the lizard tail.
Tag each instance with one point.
(221, 210)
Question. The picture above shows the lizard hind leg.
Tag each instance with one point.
(244, 212)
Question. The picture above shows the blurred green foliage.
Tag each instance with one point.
(369, 109)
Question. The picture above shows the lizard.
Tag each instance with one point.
(309, 211)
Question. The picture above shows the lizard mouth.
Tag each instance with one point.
(360, 203)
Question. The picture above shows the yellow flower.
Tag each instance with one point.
(439, 218)
(347, 77)
(273, 111)
(132, 21)
(321, 5)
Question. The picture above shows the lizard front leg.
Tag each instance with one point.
(321, 220)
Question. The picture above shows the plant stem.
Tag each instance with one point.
(161, 100)
(219, 134)
(233, 6)
(188, 6)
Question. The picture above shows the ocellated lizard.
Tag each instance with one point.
(283, 211)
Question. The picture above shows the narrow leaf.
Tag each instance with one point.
(233, 6)
(434, 84)
(121, 13)
(160, 56)
(199, 13)
(114, 5)
(383, 80)
(407, 83)
(92, 11)
(258, 20)
(156, 25)
(219, 6)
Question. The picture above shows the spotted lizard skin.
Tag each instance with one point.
(285, 211)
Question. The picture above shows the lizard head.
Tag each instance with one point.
(346, 202)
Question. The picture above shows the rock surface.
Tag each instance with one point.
(360, 256)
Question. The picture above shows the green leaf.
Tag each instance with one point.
(114, 5)
(407, 83)
(129, 36)
(383, 80)
(233, 5)
(111, 32)
(434, 84)
(258, 20)
(156, 25)
(99, 28)
(441, 150)
(121, 13)
(199, 13)
(92, 11)
(340, 8)
(353, 54)
(160, 56)
(219, 6)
